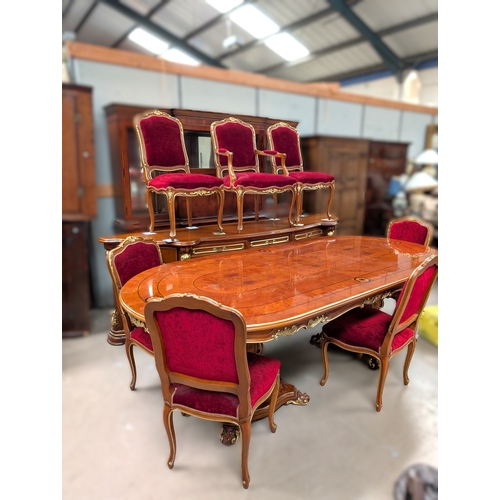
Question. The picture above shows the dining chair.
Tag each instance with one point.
(132, 256)
(236, 159)
(165, 167)
(371, 331)
(411, 228)
(205, 370)
(284, 138)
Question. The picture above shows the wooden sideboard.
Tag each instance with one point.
(362, 170)
(202, 242)
(128, 184)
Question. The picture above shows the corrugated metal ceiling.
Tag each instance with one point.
(346, 38)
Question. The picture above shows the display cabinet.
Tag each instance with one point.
(129, 187)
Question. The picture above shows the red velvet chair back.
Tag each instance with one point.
(285, 139)
(410, 229)
(200, 344)
(161, 141)
(131, 257)
(414, 295)
(239, 137)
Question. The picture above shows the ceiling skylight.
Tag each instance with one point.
(148, 41)
(286, 46)
(224, 6)
(175, 55)
(252, 20)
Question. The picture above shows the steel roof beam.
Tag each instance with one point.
(409, 62)
(392, 61)
(350, 43)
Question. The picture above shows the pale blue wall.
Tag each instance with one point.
(339, 118)
(316, 116)
(287, 106)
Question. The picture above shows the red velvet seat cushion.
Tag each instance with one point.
(263, 371)
(311, 177)
(260, 180)
(142, 336)
(185, 181)
(408, 230)
(365, 327)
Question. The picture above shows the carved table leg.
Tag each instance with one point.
(316, 340)
(116, 335)
(229, 434)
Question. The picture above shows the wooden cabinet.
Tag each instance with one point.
(79, 206)
(385, 160)
(129, 187)
(347, 160)
(362, 170)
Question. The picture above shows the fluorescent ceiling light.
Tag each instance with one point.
(224, 6)
(175, 55)
(148, 41)
(286, 46)
(252, 20)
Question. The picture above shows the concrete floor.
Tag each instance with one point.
(114, 444)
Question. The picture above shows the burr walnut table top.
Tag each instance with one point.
(282, 288)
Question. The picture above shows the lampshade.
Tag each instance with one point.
(420, 181)
(427, 157)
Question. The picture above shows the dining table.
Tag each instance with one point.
(285, 288)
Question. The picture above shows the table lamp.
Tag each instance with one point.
(429, 158)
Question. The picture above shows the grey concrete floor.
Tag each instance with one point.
(114, 444)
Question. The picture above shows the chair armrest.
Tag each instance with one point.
(229, 155)
(275, 154)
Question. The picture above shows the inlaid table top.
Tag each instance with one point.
(282, 288)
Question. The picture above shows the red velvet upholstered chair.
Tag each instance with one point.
(236, 159)
(411, 228)
(165, 167)
(205, 370)
(370, 331)
(132, 256)
(284, 138)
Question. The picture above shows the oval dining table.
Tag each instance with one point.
(283, 288)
